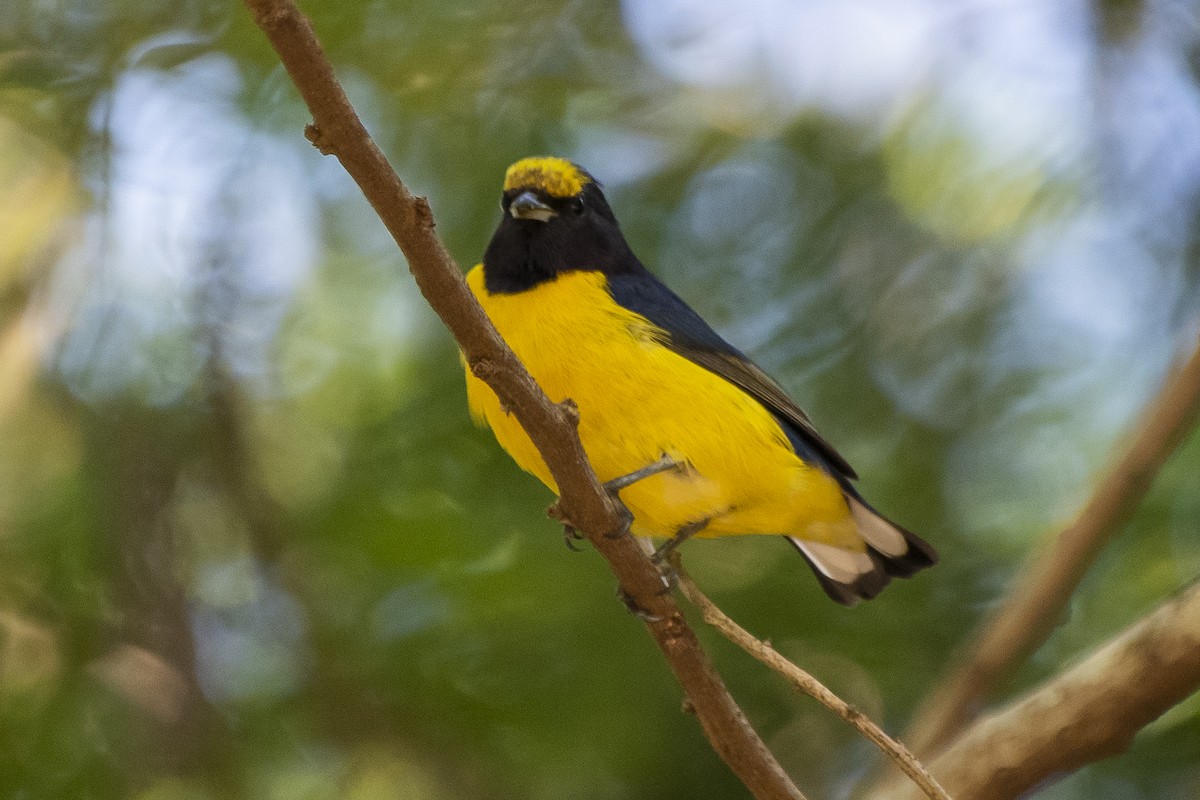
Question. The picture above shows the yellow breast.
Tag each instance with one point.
(638, 400)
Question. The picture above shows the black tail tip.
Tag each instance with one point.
(920, 555)
(871, 581)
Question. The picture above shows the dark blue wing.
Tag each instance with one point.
(687, 334)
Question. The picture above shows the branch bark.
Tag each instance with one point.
(337, 130)
(1087, 713)
(1034, 606)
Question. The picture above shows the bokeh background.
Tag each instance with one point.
(250, 543)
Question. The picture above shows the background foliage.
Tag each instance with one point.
(250, 544)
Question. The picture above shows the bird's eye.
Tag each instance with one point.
(505, 201)
(576, 205)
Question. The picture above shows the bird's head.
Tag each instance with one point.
(556, 220)
(544, 188)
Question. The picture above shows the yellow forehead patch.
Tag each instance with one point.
(557, 177)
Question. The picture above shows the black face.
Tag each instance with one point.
(541, 236)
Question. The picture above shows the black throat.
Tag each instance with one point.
(514, 260)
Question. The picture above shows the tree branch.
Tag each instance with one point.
(1090, 712)
(336, 129)
(1034, 606)
(810, 686)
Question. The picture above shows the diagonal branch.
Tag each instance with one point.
(1046, 583)
(336, 129)
(1091, 711)
(808, 684)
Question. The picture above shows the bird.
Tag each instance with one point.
(693, 437)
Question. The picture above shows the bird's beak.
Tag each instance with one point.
(527, 206)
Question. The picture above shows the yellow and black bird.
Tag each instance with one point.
(720, 448)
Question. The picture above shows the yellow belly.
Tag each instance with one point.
(639, 400)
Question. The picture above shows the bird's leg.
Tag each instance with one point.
(663, 464)
(684, 533)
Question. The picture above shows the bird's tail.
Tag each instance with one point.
(849, 575)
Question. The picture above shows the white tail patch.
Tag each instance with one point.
(877, 531)
(837, 564)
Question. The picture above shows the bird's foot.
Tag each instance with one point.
(626, 523)
(571, 536)
(634, 608)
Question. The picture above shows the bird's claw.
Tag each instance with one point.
(670, 577)
(626, 522)
(571, 536)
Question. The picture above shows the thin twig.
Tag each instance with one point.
(337, 130)
(1045, 585)
(1089, 712)
(810, 686)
